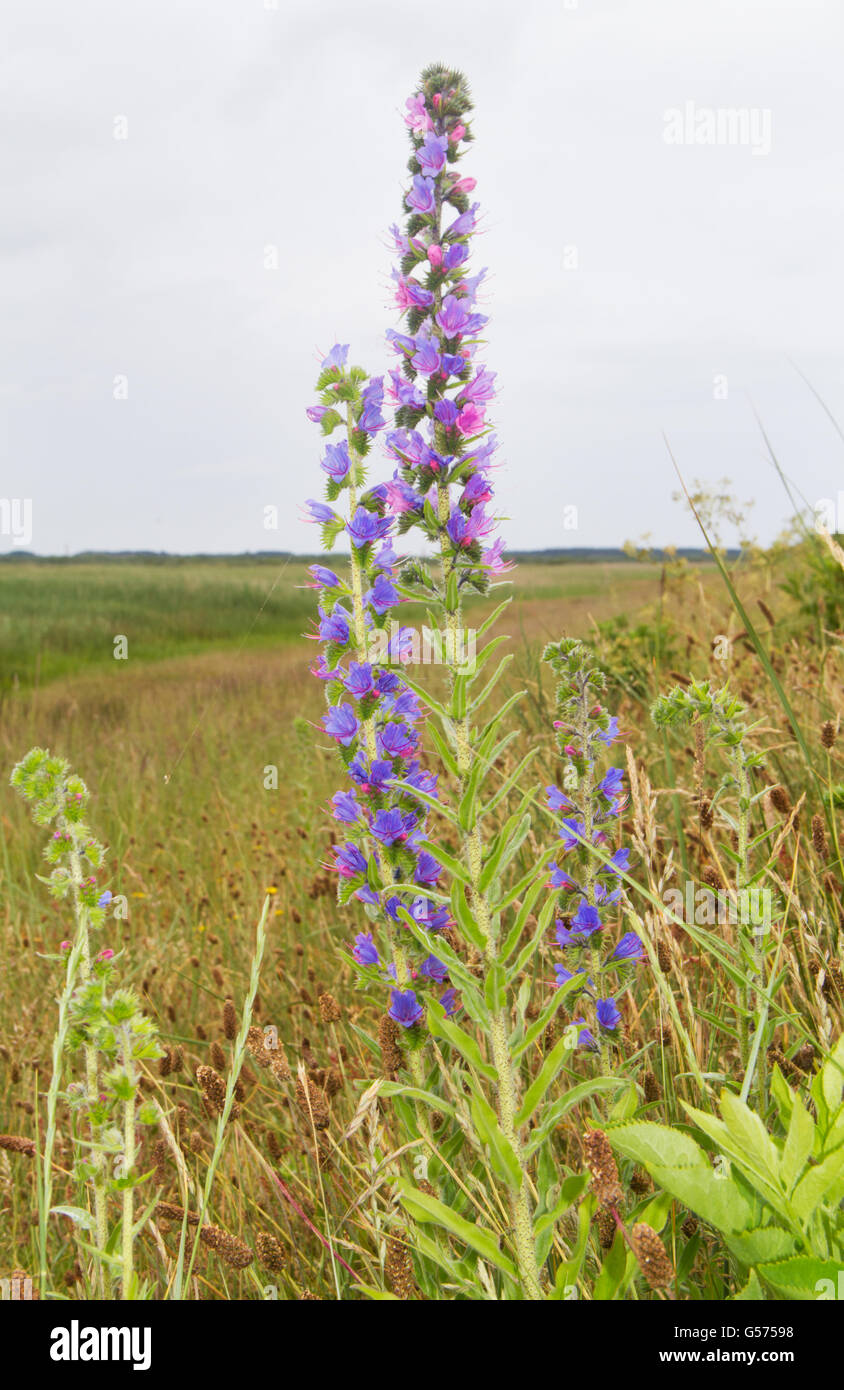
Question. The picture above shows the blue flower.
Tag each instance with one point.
(364, 950)
(586, 920)
(405, 1008)
(341, 723)
(628, 948)
(608, 1015)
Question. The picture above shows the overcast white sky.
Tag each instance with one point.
(251, 126)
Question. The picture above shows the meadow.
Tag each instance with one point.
(178, 744)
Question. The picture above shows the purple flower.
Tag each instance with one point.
(391, 826)
(383, 595)
(341, 723)
(586, 920)
(336, 357)
(319, 512)
(365, 527)
(480, 388)
(405, 1008)
(104, 899)
(323, 578)
(448, 999)
(364, 949)
(619, 862)
(396, 741)
(628, 948)
(316, 412)
(334, 627)
(370, 419)
(422, 195)
(559, 879)
(336, 462)
(563, 975)
(348, 861)
(607, 1013)
(431, 155)
(557, 800)
(359, 681)
(609, 735)
(426, 359)
(434, 969)
(612, 783)
(452, 316)
(345, 807)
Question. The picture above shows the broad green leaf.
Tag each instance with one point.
(765, 1243)
(648, 1143)
(752, 1291)
(814, 1185)
(804, 1278)
(713, 1198)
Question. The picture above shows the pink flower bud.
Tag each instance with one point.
(457, 133)
(64, 945)
(435, 255)
(464, 185)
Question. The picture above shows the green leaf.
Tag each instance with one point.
(804, 1278)
(446, 860)
(78, 1215)
(798, 1144)
(814, 1186)
(765, 1243)
(752, 1291)
(567, 1102)
(649, 1143)
(422, 1207)
(713, 1198)
(467, 1046)
(396, 1088)
(502, 1155)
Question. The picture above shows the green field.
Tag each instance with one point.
(174, 744)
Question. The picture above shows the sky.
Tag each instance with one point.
(197, 203)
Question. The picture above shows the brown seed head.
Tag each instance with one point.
(213, 1088)
(391, 1053)
(313, 1102)
(231, 1249)
(18, 1144)
(329, 1009)
(229, 1020)
(398, 1268)
(218, 1056)
(269, 1250)
(819, 838)
(602, 1166)
(650, 1252)
(829, 733)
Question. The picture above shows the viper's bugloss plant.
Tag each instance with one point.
(105, 1023)
(372, 714)
(589, 805)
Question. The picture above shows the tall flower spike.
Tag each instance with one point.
(590, 803)
(442, 447)
(372, 714)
